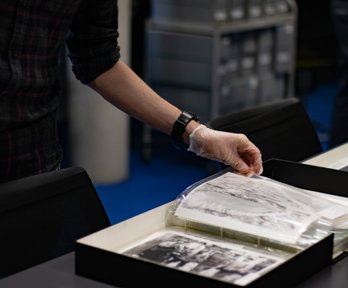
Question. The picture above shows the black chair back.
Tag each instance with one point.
(42, 216)
(281, 129)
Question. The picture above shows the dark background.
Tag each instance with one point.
(316, 61)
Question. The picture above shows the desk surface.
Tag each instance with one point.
(336, 158)
(60, 273)
(57, 273)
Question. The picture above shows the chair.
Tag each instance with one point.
(281, 129)
(41, 216)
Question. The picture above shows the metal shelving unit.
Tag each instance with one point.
(214, 57)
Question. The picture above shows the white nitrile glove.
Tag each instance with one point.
(232, 149)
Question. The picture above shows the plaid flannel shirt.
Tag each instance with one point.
(33, 33)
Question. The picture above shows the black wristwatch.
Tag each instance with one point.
(179, 129)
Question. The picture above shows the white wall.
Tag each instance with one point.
(99, 131)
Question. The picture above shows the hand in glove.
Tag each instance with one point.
(232, 149)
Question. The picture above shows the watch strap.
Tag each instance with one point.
(179, 128)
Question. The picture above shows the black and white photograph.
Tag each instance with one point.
(255, 205)
(214, 259)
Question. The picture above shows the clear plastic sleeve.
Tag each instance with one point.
(259, 210)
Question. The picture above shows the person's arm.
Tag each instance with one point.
(95, 55)
(124, 89)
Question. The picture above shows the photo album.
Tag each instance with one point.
(235, 229)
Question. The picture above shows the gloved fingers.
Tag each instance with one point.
(232, 149)
(247, 163)
(244, 156)
(252, 157)
(242, 168)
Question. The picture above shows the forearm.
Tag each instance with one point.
(124, 89)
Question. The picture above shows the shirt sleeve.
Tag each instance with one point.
(92, 41)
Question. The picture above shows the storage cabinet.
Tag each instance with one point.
(214, 57)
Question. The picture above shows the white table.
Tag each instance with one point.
(336, 158)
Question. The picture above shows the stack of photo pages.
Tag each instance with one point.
(235, 228)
